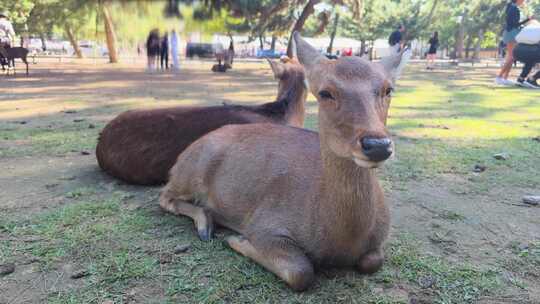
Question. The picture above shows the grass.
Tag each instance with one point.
(450, 126)
(57, 140)
(119, 249)
(449, 282)
(523, 264)
(442, 128)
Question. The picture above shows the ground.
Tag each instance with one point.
(76, 235)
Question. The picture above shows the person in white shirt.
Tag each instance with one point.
(7, 34)
(174, 50)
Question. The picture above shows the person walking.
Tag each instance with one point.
(396, 39)
(164, 52)
(152, 49)
(174, 51)
(432, 53)
(511, 30)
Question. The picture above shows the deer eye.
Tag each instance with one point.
(385, 92)
(325, 94)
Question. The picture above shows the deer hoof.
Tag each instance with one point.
(371, 263)
(205, 234)
(205, 228)
(300, 280)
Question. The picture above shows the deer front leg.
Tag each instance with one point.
(278, 255)
(371, 262)
(373, 259)
(180, 205)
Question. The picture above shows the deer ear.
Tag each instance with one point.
(396, 62)
(306, 54)
(284, 59)
(277, 68)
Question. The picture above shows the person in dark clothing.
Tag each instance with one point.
(231, 52)
(152, 49)
(432, 53)
(502, 49)
(511, 30)
(529, 54)
(396, 39)
(164, 51)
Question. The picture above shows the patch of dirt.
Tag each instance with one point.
(477, 228)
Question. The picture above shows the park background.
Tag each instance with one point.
(96, 28)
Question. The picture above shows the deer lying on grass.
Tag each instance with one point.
(298, 199)
(140, 147)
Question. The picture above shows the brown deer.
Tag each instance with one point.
(141, 146)
(299, 199)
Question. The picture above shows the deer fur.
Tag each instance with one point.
(141, 146)
(298, 199)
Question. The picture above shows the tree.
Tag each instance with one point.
(109, 32)
(68, 16)
(19, 11)
(374, 22)
(333, 34)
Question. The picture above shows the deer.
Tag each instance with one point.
(140, 146)
(225, 59)
(299, 200)
(12, 53)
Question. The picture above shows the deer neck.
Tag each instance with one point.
(292, 94)
(348, 192)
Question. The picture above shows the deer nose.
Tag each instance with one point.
(376, 149)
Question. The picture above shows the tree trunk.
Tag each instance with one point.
(261, 42)
(459, 43)
(73, 41)
(431, 12)
(460, 39)
(273, 44)
(43, 41)
(299, 25)
(333, 34)
(363, 47)
(468, 46)
(111, 35)
(478, 45)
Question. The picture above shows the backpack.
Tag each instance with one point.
(529, 34)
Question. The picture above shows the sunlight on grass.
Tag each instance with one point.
(434, 109)
(441, 127)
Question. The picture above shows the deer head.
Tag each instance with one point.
(286, 70)
(354, 96)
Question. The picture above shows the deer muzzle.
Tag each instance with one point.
(376, 149)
